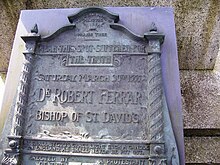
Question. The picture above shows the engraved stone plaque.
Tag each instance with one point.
(91, 93)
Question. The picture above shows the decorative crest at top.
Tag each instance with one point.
(82, 12)
(153, 34)
(153, 27)
(34, 29)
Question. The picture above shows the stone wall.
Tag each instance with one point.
(197, 26)
(201, 104)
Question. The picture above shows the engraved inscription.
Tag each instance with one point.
(121, 118)
(93, 21)
(53, 160)
(92, 55)
(90, 78)
(51, 116)
(66, 96)
(58, 49)
(49, 160)
(104, 96)
(126, 161)
(71, 60)
(88, 117)
(88, 147)
(86, 34)
(120, 97)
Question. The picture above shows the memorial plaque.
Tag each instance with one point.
(91, 93)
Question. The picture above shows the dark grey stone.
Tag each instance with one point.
(93, 92)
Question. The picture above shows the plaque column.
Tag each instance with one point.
(155, 92)
(13, 153)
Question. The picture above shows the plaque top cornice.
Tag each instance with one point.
(88, 10)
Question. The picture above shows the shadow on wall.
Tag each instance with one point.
(2, 87)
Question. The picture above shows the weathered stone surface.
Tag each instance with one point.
(202, 150)
(2, 87)
(9, 19)
(206, 98)
(201, 97)
(197, 25)
(55, 56)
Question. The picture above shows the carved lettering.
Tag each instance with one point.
(92, 117)
(125, 161)
(129, 78)
(88, 117)
(51, 116)
(91, 35)
(90, 78)
(120, 97)
(76, 117)
(73, 60)
(43, 158)
(43, 93)
(76, 60)
(44, 49)
(68, 96)
(99, 59)
(85, 148)
(86, 97)
(121, 118)
(50, 163)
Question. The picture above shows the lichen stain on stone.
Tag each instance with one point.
(188, 94)
(182, 9)
(194, 53)
(185, 47)
(29, 4)
(3, 115)
(209, 25)
(11, 11)
(202, 150)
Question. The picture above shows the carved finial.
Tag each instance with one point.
(158, 150)
(13, 144)
(34, 29)
(153, 27)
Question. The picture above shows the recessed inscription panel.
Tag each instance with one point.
(46, 151)
(88, 96)
(103, 102)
